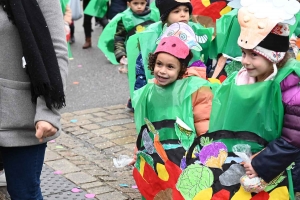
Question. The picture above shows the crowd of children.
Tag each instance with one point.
(197, 138)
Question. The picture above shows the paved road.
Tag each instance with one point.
(100, 84)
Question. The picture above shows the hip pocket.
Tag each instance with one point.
(17, 110)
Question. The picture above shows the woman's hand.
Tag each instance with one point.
(44, 129)
(251, 173)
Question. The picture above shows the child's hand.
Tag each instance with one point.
(251, 173)
(293, 42)
(134, 156)
(123, 61)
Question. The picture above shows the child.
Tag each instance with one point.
(178, 100)
(171, 11)
(113, 39)
(258, 106)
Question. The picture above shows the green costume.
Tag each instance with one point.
(264, 99)
(227, 33)
(64, 4)
(162, 105)
(96, 8)
(132, 23)
(249, 114)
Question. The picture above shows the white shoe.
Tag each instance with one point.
(2, 178)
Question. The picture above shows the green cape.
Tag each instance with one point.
(227, 33)
(96, 8)
(256, 108)
(158, 103)
(64, 4)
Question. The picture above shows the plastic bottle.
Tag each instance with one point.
(122, 161)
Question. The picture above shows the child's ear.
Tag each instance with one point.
(128, 4)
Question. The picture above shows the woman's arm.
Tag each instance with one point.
(53, 16)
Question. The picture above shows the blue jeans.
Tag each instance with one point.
(23, 167)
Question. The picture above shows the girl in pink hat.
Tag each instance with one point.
(177, 103)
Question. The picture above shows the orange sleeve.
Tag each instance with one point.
(202, 101)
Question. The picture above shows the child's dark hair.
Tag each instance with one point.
(164, 19)
(183, 63)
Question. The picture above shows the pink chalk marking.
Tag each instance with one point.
(75, 190)
(57, 172)
(52, 141)
(90, 196)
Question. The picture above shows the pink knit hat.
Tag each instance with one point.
(174, 46)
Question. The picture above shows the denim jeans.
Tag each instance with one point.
(23, 167)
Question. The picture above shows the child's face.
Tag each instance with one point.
(137, 6)
(166, 69)
(256, 65)
(179, 14)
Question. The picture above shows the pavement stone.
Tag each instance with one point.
(67, 125)
(101, 114)
(120, 134)
(80, 132)
(84, 122)
(116, 122)
(73, 158)
(84, 116)
(114, 117)
(92, 185)
(87, 136)
(100, 190)
(125, 140)
(117, 111)
(112, 196)
(67, 115)
(105, 145)
(63, 165)
(118, 128)
(51, 155)
(91, 127)
(101, 131)
(98, 119)
(80, 177)
(97, 140)
(93, 110)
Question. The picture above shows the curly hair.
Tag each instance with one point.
(183, 63)
(6, 7)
